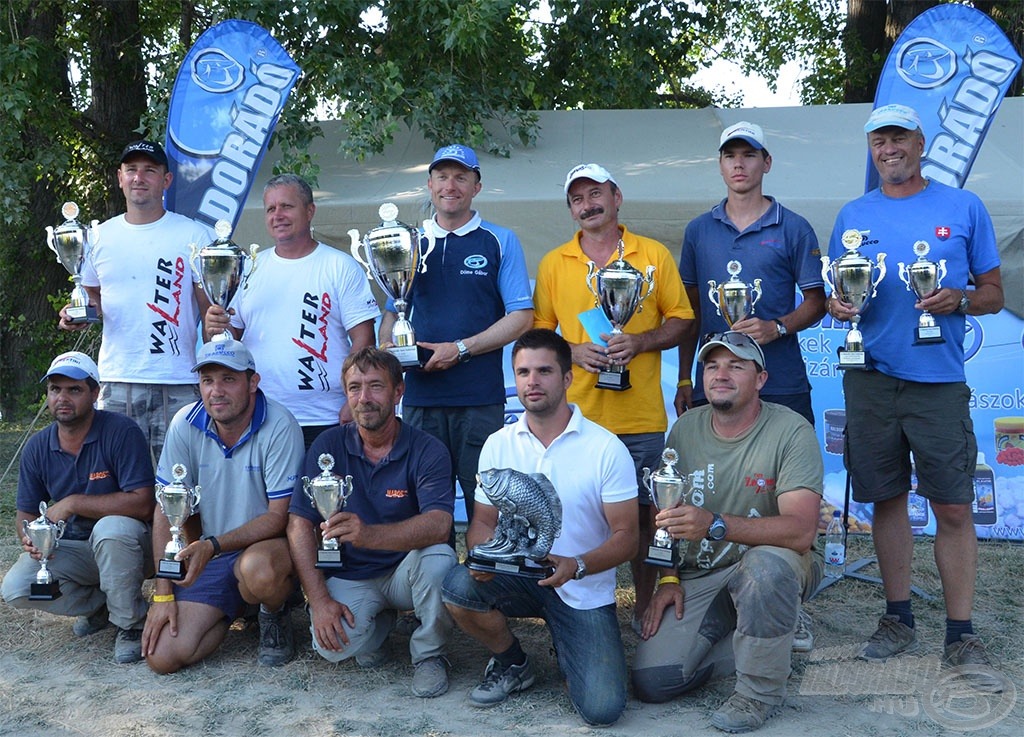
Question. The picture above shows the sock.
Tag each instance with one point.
(957, 627)
(513, 656)
(902, 610)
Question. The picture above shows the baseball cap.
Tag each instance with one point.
(739, 344)
(749, 132)
(229, 353)
(459, 154)
(900, 116)
(589, 171)
(149, 149)
(74, 365)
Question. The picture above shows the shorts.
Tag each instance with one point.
(887, 419)
(216, 586)
(645, 449)
(152, 406)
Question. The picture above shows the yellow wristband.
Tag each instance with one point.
(684, 382)
(163, 598)
(668, 579)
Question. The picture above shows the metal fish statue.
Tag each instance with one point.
(529, 515)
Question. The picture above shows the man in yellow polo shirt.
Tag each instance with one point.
(637, 415)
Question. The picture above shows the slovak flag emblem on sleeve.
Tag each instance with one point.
(942, 232)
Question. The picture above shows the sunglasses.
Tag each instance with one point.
(740, 340)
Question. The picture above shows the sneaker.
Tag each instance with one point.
(803, 637)
(407, 624)
(971, 657)
(430, 678)
(891, 638)
(373, 659)
(90, 625)
(277, 642)
(742, 714)
(128, 646)
(499, 685)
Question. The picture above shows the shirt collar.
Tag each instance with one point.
(772, 216)
(438, 232)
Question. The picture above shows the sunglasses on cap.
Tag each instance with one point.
(733, 338)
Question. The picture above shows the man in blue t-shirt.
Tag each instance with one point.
(913, 399)
(472, 299)
(770, 243)
(92, 469)
(392, 532)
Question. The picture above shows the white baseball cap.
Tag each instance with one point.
(749, 132)
(230, 353)
(74, 365)
(900, 116)
(588, 171)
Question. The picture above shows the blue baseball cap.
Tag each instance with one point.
(229, 353)
(458, 153)
(900, 116)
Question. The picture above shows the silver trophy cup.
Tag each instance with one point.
(392, 258)
(178, 502)
(922, 278)
(45, 537)
(72, 242)
(850, 278)
(668, 489)
(221, 268)
(619, 291)
(328, 493)
(734, 300)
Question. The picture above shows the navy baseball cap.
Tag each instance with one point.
(149, 149)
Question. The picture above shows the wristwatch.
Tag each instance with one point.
(464, 354)
(964, 303)
(581, 569)
(717, 529)
(782, 328)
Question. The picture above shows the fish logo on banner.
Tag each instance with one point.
(227, 98)
(953, 65)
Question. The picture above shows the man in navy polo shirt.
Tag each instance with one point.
(393, 532)
(472, 300)
(93, 470)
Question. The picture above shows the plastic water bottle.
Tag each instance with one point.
(835, 547)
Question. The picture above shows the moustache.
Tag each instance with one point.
(591, 212)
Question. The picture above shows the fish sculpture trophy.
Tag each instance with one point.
(529, 520)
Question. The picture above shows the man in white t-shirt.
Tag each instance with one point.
(305, 307)
(140, 280)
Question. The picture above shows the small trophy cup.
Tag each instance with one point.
(529, 520)
(45, 537)
(922, 278)
(849, 277)
(72, 242)
(221, 266)
(733, 299)
(328, 493)
(178, 503)
(392, 259)
(667, 489)
(617, 291)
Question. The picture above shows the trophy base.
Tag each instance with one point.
(82, 315)
(407, 355)
(522, 570)
(662, 557)
(852, 359)
(617, 381)
(928, 334)
(44, 591)
(330, 559)
(171, 569)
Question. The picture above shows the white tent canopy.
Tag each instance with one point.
(666, 163)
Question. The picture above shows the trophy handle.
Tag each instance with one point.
(24, 527)
(254, 248)
(942, 272)
(194, 501)
(428, 233)
(94, 234)
(591, 271)
(647, 480)
(881, 274)
(713, 296)
(61, 525)
(826, 273)
(50, 242)
(756, 294)
(650, 286)
(193, 261)
(347, 487)
(904, 274)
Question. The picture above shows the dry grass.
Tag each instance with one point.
(52, 683)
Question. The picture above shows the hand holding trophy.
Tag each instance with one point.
(72, 242)
(221, 266)
(849, 278)
(178, 502)
(668, 489)
(922, 278)
(328, 492)
(45, 537)
(734, 300)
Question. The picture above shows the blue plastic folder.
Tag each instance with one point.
(596, 322)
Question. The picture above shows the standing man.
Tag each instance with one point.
(393, 531)
(637, 415)
(305, 307)
(592, 473)
(914, 398)
(473, 299)
(139, 278)
(772, 244)
(93, 470)
(244, 451)
(757, 481)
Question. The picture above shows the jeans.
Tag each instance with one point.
(587, 641)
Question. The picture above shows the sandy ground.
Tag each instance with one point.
(54, 684)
